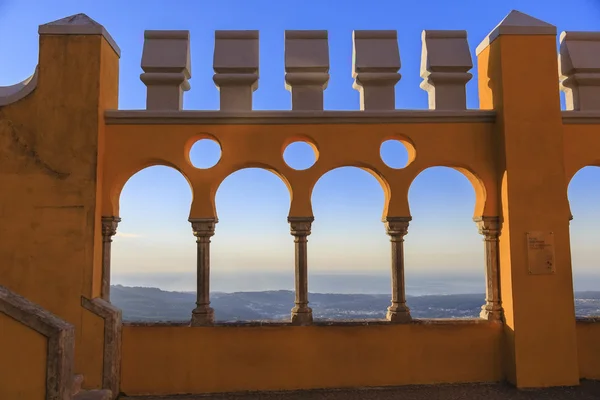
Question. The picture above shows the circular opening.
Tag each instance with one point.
(394, 154)
(205, 153)
(299, 155)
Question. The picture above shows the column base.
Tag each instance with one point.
(491, 313)
(203, 316)
(398, 314)
(302, 316)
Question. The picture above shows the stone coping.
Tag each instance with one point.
(111, 353)
(338, 323)
(257, 117)
(60, 335)
(581, 117)
(194, 117)
(588, 320)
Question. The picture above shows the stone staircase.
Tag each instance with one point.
(78, 394)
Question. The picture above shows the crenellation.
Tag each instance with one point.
(236, 65)
(167, 68)
(445, 64)
(306, 68)
(375, 66)
(579, 63)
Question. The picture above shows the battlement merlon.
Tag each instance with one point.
(167, 67)
(445, 65)
(579, 63)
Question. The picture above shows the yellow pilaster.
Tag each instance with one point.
(518, 77)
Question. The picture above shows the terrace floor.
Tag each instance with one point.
(588, 390)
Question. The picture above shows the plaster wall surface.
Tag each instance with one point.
(22, 367)
(171, 359)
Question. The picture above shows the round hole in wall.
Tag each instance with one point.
(300, 155)
(394, 154)
(205, 153)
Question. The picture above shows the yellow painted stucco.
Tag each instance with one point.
(22, 361)
(588, 346)
(62, 168)
(216, 359)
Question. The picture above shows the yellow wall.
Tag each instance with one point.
(588, 344)
(22, 361)
(172, 359)
(50, 250)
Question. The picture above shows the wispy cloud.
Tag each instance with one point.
(127, 235)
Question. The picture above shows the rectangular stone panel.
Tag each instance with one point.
(540, 252)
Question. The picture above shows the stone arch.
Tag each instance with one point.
(235, 169)
(582, 199)
(251, 203)
(572, 173)
(374, 172)
(121, 180)
(478, 185)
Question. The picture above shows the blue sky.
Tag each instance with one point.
(253, 237)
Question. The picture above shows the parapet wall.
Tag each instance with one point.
(66, 152)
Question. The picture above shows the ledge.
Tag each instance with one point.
(356, 322)
(60, 335)
(588, 320)
(581, 117)
(193, 117)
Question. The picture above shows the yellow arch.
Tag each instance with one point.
(383, 183)
(262, 166)
(570, 180)
(477, 184)
(124, 177)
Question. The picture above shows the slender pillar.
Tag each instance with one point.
(489, 227)
(397, 228)
(203, 229)
(300, 229)
(109, 229)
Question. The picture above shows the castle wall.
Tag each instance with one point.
(171, 359)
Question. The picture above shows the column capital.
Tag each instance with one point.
(488, 226)
(395, 226)
(203, 227)
(109, 225)
(300, 226)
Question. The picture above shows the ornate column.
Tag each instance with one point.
(300, 229)
(109, 229)
(489, 227)
(203, 229)
(397, 228)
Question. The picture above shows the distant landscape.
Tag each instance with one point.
(145, 304)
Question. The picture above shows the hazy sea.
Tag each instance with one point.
(344, 283)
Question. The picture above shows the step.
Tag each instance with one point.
(77, 382)
(93, 395)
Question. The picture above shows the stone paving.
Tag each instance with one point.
(588, 390)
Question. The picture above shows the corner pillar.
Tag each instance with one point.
(489, 227)
(109, 229)
(397, 228)
(300, 229)
(204, 229)
(517, 76)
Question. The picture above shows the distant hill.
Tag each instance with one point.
(152, 304)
